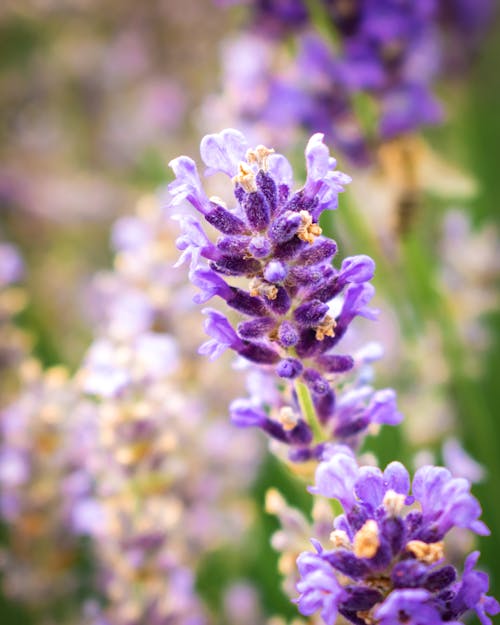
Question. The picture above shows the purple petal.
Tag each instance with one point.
(335, 479)
(397, 478)
(187, 185)
(357, 269)
(370, 487)
(223, 152)
(244, 413)
(317, 161)
(210, 283)
(223, 335)
(383, 408)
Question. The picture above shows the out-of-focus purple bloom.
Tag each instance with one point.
(11, 265)
(104, 376)
(242, 604)
(374, 81)
(36, 456)
(458, 461)
(147, 508)
(407, 108)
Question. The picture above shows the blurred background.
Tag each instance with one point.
(96, 98)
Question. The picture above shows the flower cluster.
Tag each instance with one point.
(272, 264)
(387, 565)
(297, 306)
(371, 77)
(37, 461)
(350, 411)
(14, 343)
(153, 507)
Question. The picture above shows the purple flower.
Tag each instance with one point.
(409, 607)
(356, 299)
(446, 502)
(383, 409)
(11, 264)
(187, 185)
(335, 478)
(223, 336)
(193, 243)
(223, 152)
(319, 588)
(357, 269)
(470, 593)
(388, 534)
(387, 56)
(267, 238)
(210, 283)
(458, 461)
(273, 266)
(245, 414)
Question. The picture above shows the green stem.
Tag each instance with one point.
(322, 21)
(308, 410)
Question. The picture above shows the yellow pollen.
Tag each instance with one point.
(246, 178)
(259, 156)
(366, 541)
(393, 502)
(426, 552)
(287, 563)
(287, 418)
(30, 370)
(308, 231)
(274, 502)
(339, 539)
(326, 328)
(259, 287)
(367, 616)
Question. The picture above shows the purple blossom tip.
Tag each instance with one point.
(223, 335)
(357, 269)
(335, 478)
(383, 408)
(223, 152)
(11, 264)
(244, 413)
(187, 185)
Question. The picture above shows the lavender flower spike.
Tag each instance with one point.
(388, 564)
(272, 264)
